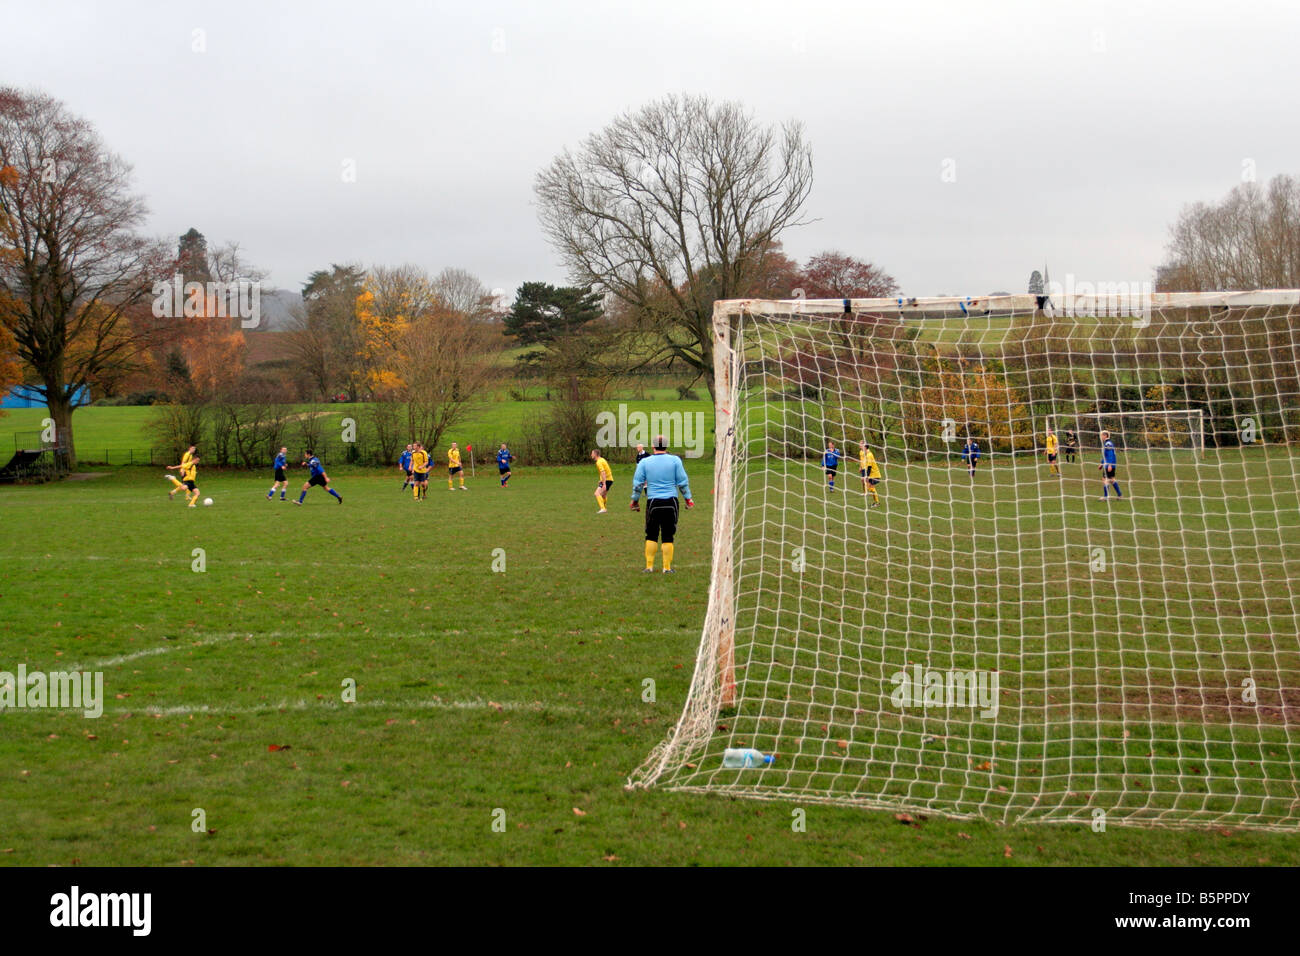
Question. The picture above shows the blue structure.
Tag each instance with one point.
(25, 396)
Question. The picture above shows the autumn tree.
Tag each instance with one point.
(73, 266)
(672, 207)
(834, 275)
(961, 399)
(431, 360)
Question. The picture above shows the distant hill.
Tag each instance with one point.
(277, 308)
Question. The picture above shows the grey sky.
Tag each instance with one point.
(1076, 131)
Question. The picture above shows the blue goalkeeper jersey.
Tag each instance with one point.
(405, 461)
(831, 459)
(1108, 453)
(660, 476)
(280, 463)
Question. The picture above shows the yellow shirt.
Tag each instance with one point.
(868, 462)
(185, 462)
(189, 469)
(1051, 444)
(453, 457)
(603, 472)
(420, 461)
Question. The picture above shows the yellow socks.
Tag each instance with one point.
(600, 500)
(650, 548)
(668, 557)
(875, 496)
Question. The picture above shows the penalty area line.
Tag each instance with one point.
(434, 703)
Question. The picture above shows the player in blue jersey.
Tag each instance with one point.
(831, 462)
(1108, 467)
(404, 465)
(970, 454)
(281, 479)
(317, 477)
(504, 458)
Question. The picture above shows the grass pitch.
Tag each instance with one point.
(497, 714)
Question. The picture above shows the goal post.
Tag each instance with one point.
(1001, 637)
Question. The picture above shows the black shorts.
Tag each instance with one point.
(604, 486)
(279, 475)
(872, 481)
(408, 472)
(418, 476)
(317, 480)
(503, 469)
(830, 472)
(661, 519)
(1051, 458)
(455, 471)
(189, 483)
(1108, 471)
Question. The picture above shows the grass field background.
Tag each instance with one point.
(111, 433)
(476, 692)
(1121, 631)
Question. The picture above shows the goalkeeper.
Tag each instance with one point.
(661, 476)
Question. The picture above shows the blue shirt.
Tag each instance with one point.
(316, 468)
(1108, 452)
(831, 459)
(504, 458)
(661, 476)
(279, 461)
(405, 461)
(972, 450)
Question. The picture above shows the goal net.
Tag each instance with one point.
(994, 638)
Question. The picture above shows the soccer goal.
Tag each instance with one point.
(993, 638)
(1172, 429)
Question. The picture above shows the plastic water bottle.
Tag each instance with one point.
(745, 757)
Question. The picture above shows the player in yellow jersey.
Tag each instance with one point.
(419, 472)
(869, 471)
(604, 480)
(190, 478)
(453, 467)
(1051, 453)
(177, 483)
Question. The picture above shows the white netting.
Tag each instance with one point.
(1008, 644)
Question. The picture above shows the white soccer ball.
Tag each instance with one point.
(207, 501)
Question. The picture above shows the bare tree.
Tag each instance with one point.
(1249, 240)
(441, 365)
(672, 207)
(74, 266)
(460, 291)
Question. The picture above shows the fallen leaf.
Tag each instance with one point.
(1006, 850)
(579, 813)
(272, 748)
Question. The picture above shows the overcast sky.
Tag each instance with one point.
(1069, 133)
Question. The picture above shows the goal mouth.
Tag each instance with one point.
(1048, 571)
